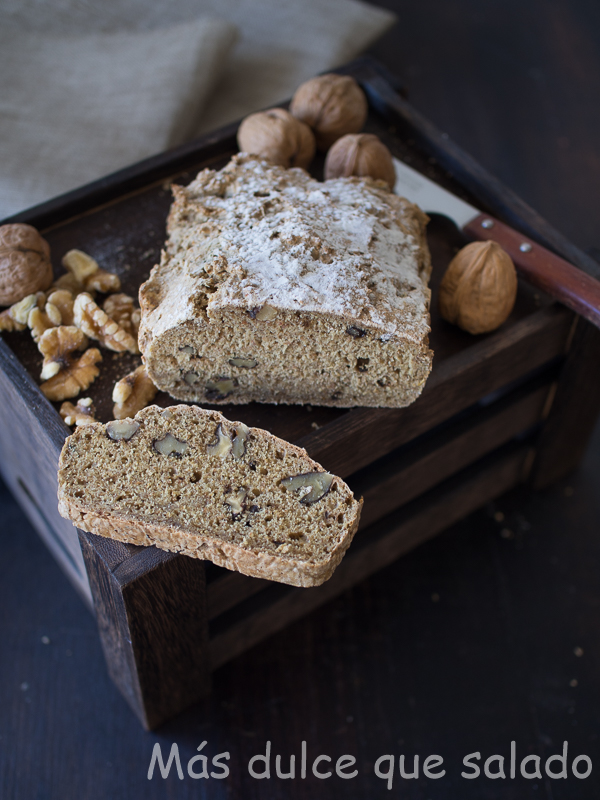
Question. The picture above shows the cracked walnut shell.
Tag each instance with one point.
(332, 105)
(132, 393)
(362, 155)
(96, 324)
(278, 137)
(78, 375)
(479, 288)
(25, 266)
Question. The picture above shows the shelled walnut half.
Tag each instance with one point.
(132, 393)
(81, 414)
(77, 376)
(96, 324)
(57, 345)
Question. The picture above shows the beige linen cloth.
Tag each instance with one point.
(90, 87)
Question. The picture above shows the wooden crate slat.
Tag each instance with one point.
(155, 646)
(440, 460)
(392, 540)
(392, 482)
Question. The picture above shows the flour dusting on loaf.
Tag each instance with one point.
(279, 288)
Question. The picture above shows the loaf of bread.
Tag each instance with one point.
(278, 288)
(187, 480)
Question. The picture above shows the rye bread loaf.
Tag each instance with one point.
(188, 480)
(278, 288)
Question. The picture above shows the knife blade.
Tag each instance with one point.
(539, 266)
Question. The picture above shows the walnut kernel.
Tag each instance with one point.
(222, 444)
(119, 429)
(62, 300)
(132, 393)
(57, 346)
(71, 380)
(170, 445)
(312, 486)
(121, 308)
(96, 324)
(79, 415)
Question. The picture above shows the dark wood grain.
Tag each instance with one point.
(156, 647)
(574, 411)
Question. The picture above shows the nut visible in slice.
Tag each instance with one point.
(132, 393)
(124, 429)
(312, 486)
(236, 502)
(96, 324)
(169, 445)
(221, 445)
(239, 442)
(71, 380)
(220, 388)
(263, 313)
(81, 414)
(244, 363)
(57, 345)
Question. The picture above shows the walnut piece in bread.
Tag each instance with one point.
(154, 479)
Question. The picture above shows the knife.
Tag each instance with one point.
(540, 267)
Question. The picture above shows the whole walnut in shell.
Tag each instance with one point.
(479, 288)
(278, 137)
(332, 105)
(25, 266)
(363, 155)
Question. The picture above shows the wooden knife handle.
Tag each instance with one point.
(543, 269)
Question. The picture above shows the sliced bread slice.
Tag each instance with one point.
(190, 481)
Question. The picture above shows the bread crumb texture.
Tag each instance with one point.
(190, 481)
(277, 288)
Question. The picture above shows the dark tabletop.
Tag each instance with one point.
(488, 634)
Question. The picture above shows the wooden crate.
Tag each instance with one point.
(515, 405)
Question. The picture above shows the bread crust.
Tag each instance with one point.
(320, 287)
(113, 489)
